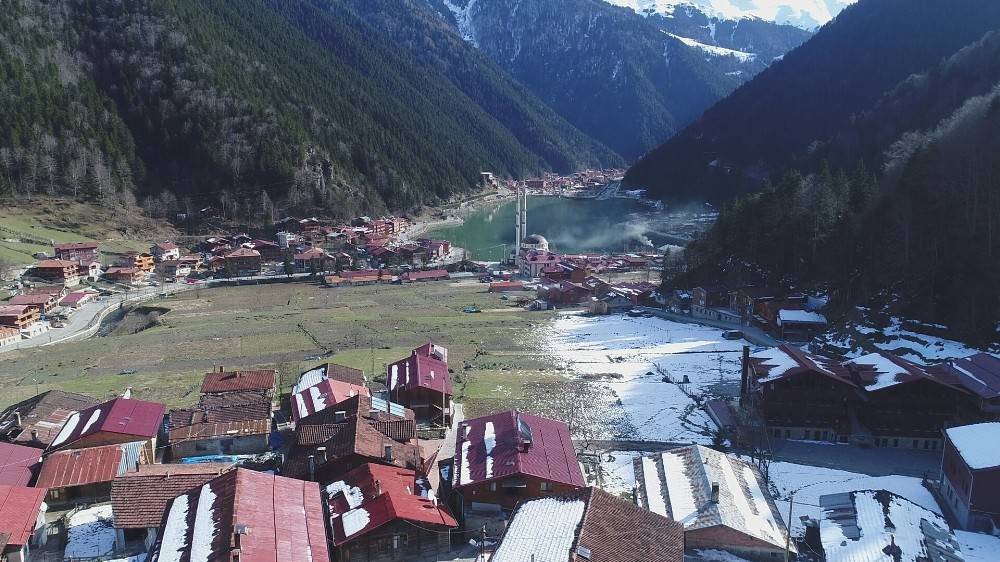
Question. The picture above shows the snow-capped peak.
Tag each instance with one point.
(806, 14)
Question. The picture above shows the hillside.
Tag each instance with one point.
(260, 104)
(772, 122)
(627, 80)
(917, 239)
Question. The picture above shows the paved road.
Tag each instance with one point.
(874, 461)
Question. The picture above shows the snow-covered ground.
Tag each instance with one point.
(90, 533)
(618, 472)
(811, 482)
(978, 547)
(632, 356)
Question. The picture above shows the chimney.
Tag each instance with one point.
(715, 492)
(378, 488)
(387, 453)
(222, 369)
(339, 416)
(34, 434)
(312, 468)
(17, 418)
(322, 450)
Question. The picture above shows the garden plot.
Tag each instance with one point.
(632, 357)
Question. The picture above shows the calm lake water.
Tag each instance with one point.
(570, 225)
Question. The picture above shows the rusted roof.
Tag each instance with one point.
(224, 407)
(42, 416)
(139, 499)
(229, 381)
(76, 467)
(18, 512)
(277, 518)
(324, 395)
(76, 246)
(220, 429)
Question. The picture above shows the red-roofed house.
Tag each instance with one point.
(431, 275)
(85, 474)
(506, 458)
(22, 521)
(125, 275)
(165, 251)
(421, 383)
(324, 395)
(260, 517)
(222, 380)
(18, 464)
(382, 512)
(313, 259)
(76, 299)
(117, 421)
(243, 261)
(82, 252)
(65, 272)
(40, 302)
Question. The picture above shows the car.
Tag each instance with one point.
(635, 313)
(732, 334)
(127, 372)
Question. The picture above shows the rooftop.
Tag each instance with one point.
(684, 493)
(18, 512)
(591, 521)
(41, 416)
(323, 395)
(976, 444)
(514, 443)
(272, 517)
(228, 381)
(139, 499)
(980, 373)
(426, 367)
(123, 416)
(329, 371)
(18, 464)
(373, 495)
(76, 467)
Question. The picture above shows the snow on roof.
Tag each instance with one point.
(879, 525)
(544, 530)
(887, 372)
(689, 475)
(778, 361)
(654, 488)
(976, 444)
(324, 395)
(802, 316)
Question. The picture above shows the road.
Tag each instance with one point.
(752, 334)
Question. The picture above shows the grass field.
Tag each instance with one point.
(288, 327)
(24, 226)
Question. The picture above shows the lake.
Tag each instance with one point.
(570, 225)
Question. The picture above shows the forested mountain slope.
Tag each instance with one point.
(909, 216)
(260, 102)
(777, 119)
(627, 80)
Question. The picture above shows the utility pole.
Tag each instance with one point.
(788, 528)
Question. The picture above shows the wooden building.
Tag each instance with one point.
(422, 383)
(63, 272)
(85, 475)
(117, 421)
(506, 458)
(383, 513)
(223, 423)
(970, 476)
(80, 252)
(722, 501)
(125, 275)
(35, 422)
(18, 316)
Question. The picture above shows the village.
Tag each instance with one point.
(551, 406)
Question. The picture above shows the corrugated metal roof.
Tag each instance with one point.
(18, 512)
(123, 416)
(76, 467)
(228, 381)
(18, 464)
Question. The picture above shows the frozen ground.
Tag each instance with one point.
(811, 482)
(979, 547)
(90, 533)
(617, 472)
(632, 357)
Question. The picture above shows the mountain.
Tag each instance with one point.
(776, 120)
(626, 80)
(916, 236)
(300, 104)
(805, 14)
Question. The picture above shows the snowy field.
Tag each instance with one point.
(631, 357)
(978, 547)
(90, 533)
(617, 472)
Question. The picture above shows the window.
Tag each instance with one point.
(895, 442)
(546, 486)
(398, 541)
(493, 486)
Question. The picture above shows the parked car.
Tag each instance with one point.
(732, 334)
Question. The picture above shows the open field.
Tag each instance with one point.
(36, 223)
(289, 327)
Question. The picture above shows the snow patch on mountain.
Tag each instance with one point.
(463, 20)
(715, 51)
(806, 14)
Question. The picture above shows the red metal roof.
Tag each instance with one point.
(431, 274)
(228, 381)
(47, 264)
(550, 455)
(243, 253)
(76, 467)
(75, 297)
(387, 493)
(283, 518)
(322, 396)
(19, 512)
(123, 416)
(76, 246)
(426, 367)
(18, 464)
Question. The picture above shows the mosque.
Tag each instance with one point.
(531, 249)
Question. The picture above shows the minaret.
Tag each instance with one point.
(517, 222)
(524, 215)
